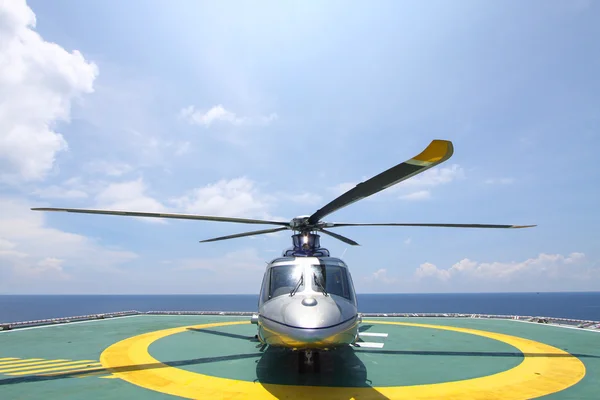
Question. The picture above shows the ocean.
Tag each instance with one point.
(576, 305)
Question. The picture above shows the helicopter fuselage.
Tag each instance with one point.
(307, 303)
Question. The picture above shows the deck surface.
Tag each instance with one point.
(161, 357)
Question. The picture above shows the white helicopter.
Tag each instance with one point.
(307, 301)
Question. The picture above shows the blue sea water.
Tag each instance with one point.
(576, 305)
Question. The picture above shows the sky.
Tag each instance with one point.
(271, 110)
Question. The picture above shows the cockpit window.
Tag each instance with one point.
(331, 278)
(284, 278)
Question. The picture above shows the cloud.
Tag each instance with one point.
(48, 266)
(31, 253)
(545, 272)
(435, 176)
(499, 181)
(414, 188)
(555, 267)
(58, 192)
(237, 197)
(381, 276)
(239, 271)
(304, 198)
(70, 189)
(420, 195)
(130, 196)
(151, 148)
(182, 148)
(220, 114)
(342, 188)
(108, 168)
(419, 186)
(427, 270)
(39, 80)
(232, 262)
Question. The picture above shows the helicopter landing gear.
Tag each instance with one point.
(308, 359)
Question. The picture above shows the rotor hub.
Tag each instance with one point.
(301, 224)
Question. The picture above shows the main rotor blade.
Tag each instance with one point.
(164, 215)
(237, 235)
(437, 152)
(340, 237)
(335, 224)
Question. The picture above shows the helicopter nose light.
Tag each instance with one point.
(309, 302)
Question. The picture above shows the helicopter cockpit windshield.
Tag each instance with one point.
(331, 279)
(286, 279)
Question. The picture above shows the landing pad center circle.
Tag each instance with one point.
(544, 370)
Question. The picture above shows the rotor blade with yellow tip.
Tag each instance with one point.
(437, 152)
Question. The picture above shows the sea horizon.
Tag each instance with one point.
(256, 294)
(571, 305)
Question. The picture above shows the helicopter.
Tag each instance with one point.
(307, 301)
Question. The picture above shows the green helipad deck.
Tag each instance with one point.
(214, 357)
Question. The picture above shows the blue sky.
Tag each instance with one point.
(271, 110)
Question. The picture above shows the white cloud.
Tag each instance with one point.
(6, 245)
(219, 114)
(419, 195)
(32, 253)
(342, 188)
(414, 188)
(237, 197)
(109, 168)
(239, 271)
(434, 177)
(499, 181)
(38, 82)
(72, 188)
(48, 266)
(128, 196)
(304, 198)
(182, 148)
(544, 267)
(427, 270)
(233, 262)
(381, 276)
(419, 186)
(58, 192)
(408, 241)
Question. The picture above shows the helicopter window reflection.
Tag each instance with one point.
(284, 279)
(333, 279)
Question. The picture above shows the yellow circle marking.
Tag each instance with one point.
(545, 369)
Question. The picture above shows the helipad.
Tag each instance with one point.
(181, 356)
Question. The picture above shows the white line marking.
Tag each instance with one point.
(373, 334)
(371, 345)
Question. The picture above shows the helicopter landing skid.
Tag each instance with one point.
(309, 359)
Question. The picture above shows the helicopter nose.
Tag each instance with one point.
(310, 320)
(312, 312)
